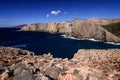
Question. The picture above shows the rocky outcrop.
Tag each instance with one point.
(90, 28)
(17, 64)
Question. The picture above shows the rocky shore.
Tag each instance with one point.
(78, 28)
(17, 64)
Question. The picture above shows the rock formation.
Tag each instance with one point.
(78, 28)
(17, 64)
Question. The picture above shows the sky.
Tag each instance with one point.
(17, 12)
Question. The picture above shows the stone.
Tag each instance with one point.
(25, 75)
(85, 65)
(78, 28)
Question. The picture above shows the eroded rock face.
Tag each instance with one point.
(17, 64)
(90, 28)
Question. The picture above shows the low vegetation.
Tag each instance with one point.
(113, 28)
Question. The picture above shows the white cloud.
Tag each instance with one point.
(55, 12)
(47, 15)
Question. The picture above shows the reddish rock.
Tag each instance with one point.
(17, 64)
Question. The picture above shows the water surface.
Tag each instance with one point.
(40, 43)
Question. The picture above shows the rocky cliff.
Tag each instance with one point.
(78, 28)
(17, 64)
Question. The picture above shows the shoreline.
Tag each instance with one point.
(91, 39)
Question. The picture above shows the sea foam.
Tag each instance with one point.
(70, 37)
(91, 39)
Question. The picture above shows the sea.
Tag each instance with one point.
(59, 45)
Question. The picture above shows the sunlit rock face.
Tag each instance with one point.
(78, 28)
(17, 64)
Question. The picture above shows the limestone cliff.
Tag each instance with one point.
(17, 64)
(78, 28)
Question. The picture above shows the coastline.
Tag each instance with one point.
(91, 39)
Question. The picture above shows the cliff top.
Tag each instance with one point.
(17, 64)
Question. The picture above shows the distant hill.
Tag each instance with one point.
(19, 26)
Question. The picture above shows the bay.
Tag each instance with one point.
(42, 43)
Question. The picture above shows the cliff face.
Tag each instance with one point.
(17, 64)
(90, 28)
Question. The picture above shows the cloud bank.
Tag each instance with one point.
(2, 20)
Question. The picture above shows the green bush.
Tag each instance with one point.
(113, 28)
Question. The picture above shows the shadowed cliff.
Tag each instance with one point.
(113, 28)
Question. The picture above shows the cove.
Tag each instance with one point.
(41, 43)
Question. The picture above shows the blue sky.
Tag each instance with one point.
(16, 12)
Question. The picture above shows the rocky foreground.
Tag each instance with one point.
(17, 64)
(79, 28)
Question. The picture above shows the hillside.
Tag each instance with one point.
(79, 28)
(113, 28)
